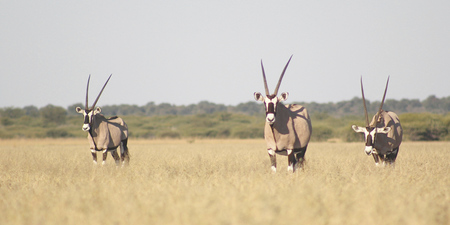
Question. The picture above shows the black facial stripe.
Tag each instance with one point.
(270, 108)
(369, 140)
(86, 119)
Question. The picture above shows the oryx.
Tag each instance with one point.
(383, 135)
(104, 134)
(287, 129)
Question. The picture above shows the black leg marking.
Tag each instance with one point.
(376, 158)
(105, 154)
(300, 156)
(94, 157)
(390, 157)
(125, 155)
(292, 161)
(116, 157)
(273, 161)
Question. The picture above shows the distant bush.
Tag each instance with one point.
(169, 134)
(425, 126)
(53, 115)
(57, 133)
(322, 133)
(12, 112)
(6, 121)
(246, 120)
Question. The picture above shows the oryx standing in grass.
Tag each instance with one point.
(288, 127)
(105, 135)
(383, 135)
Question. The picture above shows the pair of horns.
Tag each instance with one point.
(279, 81)
(87, 91)
(381, 105)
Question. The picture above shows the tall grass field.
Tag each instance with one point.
(53, 181)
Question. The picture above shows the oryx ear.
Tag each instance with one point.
(258, 96)
(79, 110)
(283, 97)
(383, 130)
(358, 129)
(97, 110)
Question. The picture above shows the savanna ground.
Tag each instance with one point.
(48, 181)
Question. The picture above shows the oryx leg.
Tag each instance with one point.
(124, 154)
(105, 155)
(379, 159)
(273, 159)
(116, 157)
(300, 157)
(390, 157)
(94, 156)
(376, 158)
(292, 161)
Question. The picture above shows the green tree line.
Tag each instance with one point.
(421, 120)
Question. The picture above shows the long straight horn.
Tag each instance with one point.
(281, 77)
(87, 92)
(364, 102)
(101, 92)
(265, 81)
(384, 96)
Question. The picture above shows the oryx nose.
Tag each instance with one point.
(270, 117)
(86, 127)
(368, 150)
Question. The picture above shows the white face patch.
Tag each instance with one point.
(271, 109)
(270, 118)
(87, 126)
(368, 150)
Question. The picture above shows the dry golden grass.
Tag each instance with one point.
(221, 182)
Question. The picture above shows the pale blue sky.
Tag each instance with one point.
(183, 52)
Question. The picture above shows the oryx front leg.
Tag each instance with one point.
(94, 156)
(105, 155)
(273, 160)
(291, 161)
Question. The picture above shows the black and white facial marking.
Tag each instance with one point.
(271, 103)
(370, 134)
(88, 114)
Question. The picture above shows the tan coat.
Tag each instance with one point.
(292, 128)
(385, 143)
(107, 134)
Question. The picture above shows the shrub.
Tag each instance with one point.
(53, 114)
(321, 133)
(57, 133)
(169, 134)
